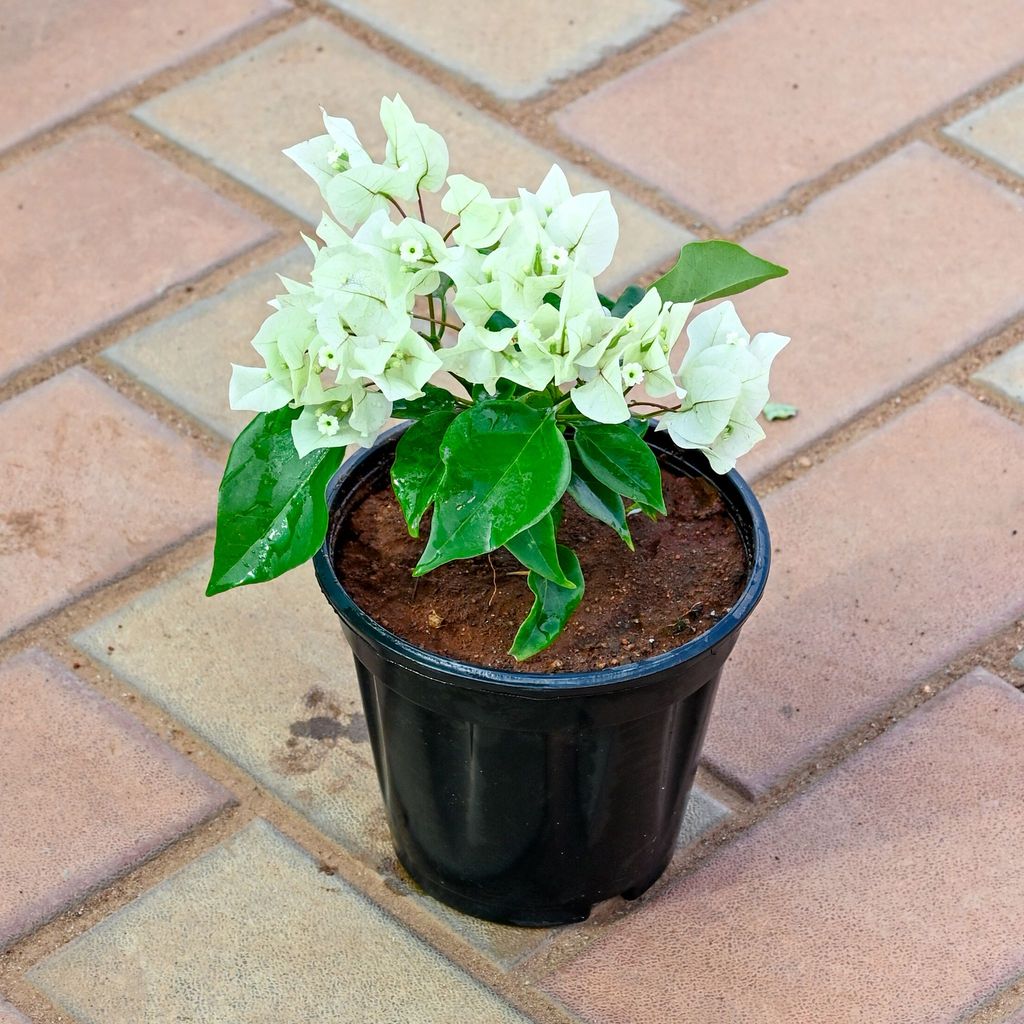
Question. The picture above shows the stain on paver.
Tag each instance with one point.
(127, 486)
(255, 931)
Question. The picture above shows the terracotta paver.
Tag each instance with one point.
(281, 84)
(92, 486)
(540, 43)
(87, 793)
(847, 310)
(286, 709)
(95, 227)
(253, 931)
(776, 94)
(9, 1015)
(892, 891)
(1006, 374)
(996, 130)
(888, 559)
(187, 357)
(59, 57)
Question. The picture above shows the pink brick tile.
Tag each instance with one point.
(88, 793)
(889, 559)
(9, 1015)
(775, 95)
(92, 485)
(59, 56)
(870, 302)
(891, 892)
(96, 227)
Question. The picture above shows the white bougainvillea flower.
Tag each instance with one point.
(723, 383)
(326, 156)
(413, 147)
(258, 388)
(358, 412)
(480, 356)
(555, 338)
(399, 369)
(601, 397)
(585, 226)
(356, 193)
(327, 424)
(482, 220)
(368, 294)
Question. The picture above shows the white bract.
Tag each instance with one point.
(723, 385)
(506, 293)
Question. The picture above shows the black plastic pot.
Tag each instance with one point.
(527, 798)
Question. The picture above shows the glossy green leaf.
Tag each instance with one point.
(417, 469)
(552, 608)
(779, 411)
(433, 400)
(619, 459)
(628, 299)
(505, 467)
(638, 426)
(536, 549)
(498, 321)
(713, 270)
(601, 502)
(272, 509)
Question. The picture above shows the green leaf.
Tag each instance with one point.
(498, 321)
(617, 457)
(601, 502)
(536, 549)
(552, 608)
(713, 270)
(433, 400)
(503, 388)
(272, 509)
(505, 467)
(417, 469)
(779, 411)
(628, 299)
(638, 426)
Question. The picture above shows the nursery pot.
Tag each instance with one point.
(527, 798)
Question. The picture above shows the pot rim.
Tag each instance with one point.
(439, 667)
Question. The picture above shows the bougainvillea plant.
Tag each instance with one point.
(499, 300)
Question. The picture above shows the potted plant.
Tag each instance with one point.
(539, 590)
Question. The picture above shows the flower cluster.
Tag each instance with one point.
(508, 293)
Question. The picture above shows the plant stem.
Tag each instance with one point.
(430, 298)
(451, 231)
(391, 200)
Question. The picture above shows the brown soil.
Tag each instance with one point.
(688, 569)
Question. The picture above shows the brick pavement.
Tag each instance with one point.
(178, 842)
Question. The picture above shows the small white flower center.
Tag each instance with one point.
(632, 373)
(556, 256)
(337, 158)
(327, 357)
(411, 250)
(735, 338)
(327, 424)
